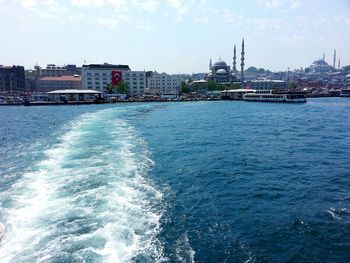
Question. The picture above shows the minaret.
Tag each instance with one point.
(324, 57)
(334, 58)
(234, 69)
(339, 64)
(210, 64)
(242, 64)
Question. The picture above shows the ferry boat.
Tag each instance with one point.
(345, 93)
(275, 96)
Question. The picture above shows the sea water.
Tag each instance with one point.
(227, 181)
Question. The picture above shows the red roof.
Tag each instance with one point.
(63, 78)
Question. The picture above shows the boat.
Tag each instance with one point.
(2, 231)
(275, 96)
(345, 93)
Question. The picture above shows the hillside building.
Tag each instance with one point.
(12, 79)
(100, 76)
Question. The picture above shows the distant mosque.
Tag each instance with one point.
(221, 73)
(321, 66)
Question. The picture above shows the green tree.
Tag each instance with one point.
(252, 70)
(121, 88)
(293, 85)
(235, 86)
(184, 87)
(212, 85)
(346, 68)
(261, 70)
(223, 87)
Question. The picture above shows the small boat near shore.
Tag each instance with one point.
(275, 96)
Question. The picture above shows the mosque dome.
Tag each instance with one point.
(220, 64)
(320, 66)
(221, 71)
(319, 62)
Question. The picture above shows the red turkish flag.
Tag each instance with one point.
(116, 77)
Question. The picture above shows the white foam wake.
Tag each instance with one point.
(89, 200)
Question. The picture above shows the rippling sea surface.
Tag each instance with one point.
(227, 181)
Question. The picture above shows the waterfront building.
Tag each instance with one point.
(12, 79)
(47, 84)
(221, 73)
(100, 76)
(163, 84)
(73, 95)
(53, 70)
(267, 84)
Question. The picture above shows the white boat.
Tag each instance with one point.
(345, 93)
(275, 96)
(2, 231)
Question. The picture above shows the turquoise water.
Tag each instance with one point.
(176, 182)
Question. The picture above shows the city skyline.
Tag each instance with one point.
(174, 36)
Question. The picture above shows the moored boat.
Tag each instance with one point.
(275, 96)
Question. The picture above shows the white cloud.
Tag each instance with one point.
(182, 6)
(29, 4)
(271, 4)
(109, 22)
(175, 3)
(274, 4)
(232, 17)
(88, 3)
(146, 5)
(295, 3)
(143, 25)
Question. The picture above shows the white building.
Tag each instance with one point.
(53, 70)
(46, 84)
(267, 84)
(163, 84)
(99, 77)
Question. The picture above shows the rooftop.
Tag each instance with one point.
(107, 66)
(63, 78)
(238, 90)
(74, 91)
(269, 80)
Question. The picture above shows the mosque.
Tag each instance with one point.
(321, 66)
(221, 73)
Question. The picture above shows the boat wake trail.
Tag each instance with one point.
(89, 200)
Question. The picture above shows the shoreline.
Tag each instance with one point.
(74, 103)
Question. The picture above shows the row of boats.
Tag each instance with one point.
(264, 95)
(271, 95)
(275, 96)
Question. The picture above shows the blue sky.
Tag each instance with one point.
(174, 36)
